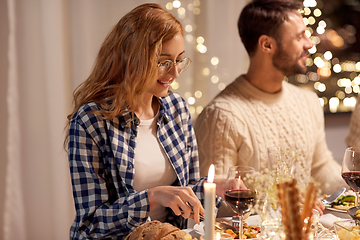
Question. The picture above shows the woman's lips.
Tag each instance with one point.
(165, 84)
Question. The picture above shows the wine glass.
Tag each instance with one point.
(282, 161)
(350, 170)
(238, 192)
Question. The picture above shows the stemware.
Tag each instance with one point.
(238, 192)
(350, 170)
(282, 161)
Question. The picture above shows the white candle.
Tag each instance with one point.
(209, 192)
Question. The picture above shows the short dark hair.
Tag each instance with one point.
(263, 17)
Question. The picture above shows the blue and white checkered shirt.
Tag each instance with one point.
(101, 159)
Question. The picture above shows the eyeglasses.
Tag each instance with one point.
(181, 65)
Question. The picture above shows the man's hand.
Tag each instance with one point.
(233, 184)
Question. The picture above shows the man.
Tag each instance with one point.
(260, 110)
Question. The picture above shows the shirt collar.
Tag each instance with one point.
(129, 118)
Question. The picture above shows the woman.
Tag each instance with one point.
(132, 148)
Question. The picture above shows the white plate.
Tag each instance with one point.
(335, 210)
(252, 220)
(199, 228)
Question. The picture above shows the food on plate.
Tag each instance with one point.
(158, 230)
(249, 231)
(344, 202)
(352, 233)
(357, 213)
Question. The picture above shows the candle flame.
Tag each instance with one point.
(211, 173)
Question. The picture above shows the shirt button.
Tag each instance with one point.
(130, 167)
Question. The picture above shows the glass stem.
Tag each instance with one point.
(241, 226)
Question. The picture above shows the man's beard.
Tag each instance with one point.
(285, 64)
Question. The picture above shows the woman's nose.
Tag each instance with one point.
(175, 71)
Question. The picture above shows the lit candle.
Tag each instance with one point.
(209, 192)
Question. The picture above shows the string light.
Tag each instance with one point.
(182, 10)
(317, 12)
(309, 3)
(326, 64)
(191, 100)
(214, 79)
(198, 94)
(221, 86)
(214, 61)
(327, 55)
(176, 4)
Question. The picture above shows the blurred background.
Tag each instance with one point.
(47, 48)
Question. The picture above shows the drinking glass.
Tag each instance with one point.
(238, 191)
(350, 170)
(281, 160)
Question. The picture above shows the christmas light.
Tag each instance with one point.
(214, 79)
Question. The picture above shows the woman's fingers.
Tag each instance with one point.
(196, 216)
(182, 200)
(184, 207)
(193, 202)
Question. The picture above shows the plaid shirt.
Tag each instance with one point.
(101, 159)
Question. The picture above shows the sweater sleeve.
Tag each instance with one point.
(325, 169)
(195, 183)
(219, 140)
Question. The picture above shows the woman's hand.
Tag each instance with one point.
(179, 199)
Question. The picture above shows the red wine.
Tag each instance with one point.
(241, 201)
(352, 179)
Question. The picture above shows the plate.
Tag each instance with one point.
(352, 213)
(335, 210)
(328, 206)
(199, 228)
(252, 220)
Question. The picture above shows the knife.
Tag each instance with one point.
(224, 226)
(333, 196)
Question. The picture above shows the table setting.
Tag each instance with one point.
(266, 208)
(279, 203)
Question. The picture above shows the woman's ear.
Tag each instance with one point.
(266, 43)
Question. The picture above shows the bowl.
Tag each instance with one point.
(352, 213)
(347, 229)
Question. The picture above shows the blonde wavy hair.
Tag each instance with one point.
(126, 64)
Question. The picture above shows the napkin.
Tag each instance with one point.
(328, 219)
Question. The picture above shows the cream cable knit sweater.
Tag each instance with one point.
(238, 126)
(353, 139)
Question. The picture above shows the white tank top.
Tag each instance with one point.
(152, 167)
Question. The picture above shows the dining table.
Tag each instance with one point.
(326, 220)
